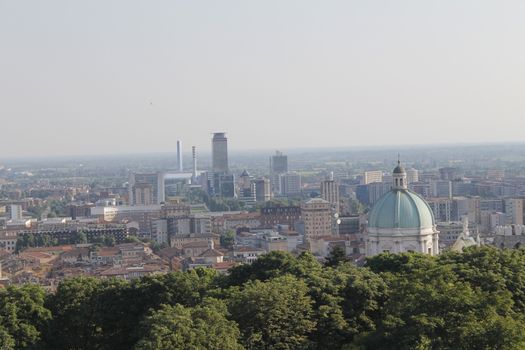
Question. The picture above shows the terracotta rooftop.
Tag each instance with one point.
(196, 244)
(109, 251)
(211, 252)
(169, 252)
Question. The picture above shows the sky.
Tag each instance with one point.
(111, 77)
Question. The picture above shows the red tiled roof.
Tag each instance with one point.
(211, 252)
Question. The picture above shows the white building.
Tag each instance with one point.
(372, 176)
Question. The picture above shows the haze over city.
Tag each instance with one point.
(119, 77)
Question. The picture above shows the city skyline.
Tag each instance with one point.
(340, 75)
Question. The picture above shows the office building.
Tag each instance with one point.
(219, 148)
(262, 190)
(290, 184)
(278, 166)
(442, 189)
(514, 210)
(223, 185)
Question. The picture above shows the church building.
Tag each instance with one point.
(401, 221)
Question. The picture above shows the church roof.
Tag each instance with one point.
(401, 208)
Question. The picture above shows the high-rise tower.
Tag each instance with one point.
(179, 156)
(219, 147)
(194, 168)
(278, 166)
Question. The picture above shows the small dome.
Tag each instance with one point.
(401, 209)
(399, 169)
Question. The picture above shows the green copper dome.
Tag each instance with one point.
(401, 208)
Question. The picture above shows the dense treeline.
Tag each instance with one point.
(474, 300)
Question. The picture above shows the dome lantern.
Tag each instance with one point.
(399, 176)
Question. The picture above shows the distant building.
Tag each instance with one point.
(317, 216)
(330, 193)
(372, 176)
(219, 147)
(262, 190)
(15, 211)
(449, 232)
(450, 173)
(290, 184)
(514, 210)
(76, 210)
(146, 188)
(180, 166)
(246, 188)
(223, 185)
(443, 209)
(278, 166)
(349, 225)
(370, 193)
(143, 194)
(495, 174)
(280, 215)
(412, 175)
(442, 188)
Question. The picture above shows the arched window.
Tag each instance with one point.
(401, 180)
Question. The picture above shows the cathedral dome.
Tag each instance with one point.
(401, 221)
(401, 209)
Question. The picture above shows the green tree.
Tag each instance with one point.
(6, 340)
(227, 239)
(272, 265)
(337, 255)
(434, 309)
(79, 238)
(200, 328)
(276, 314)
(347, 302)
(23, 316)
(74, 322)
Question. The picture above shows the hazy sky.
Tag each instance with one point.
(103, 77)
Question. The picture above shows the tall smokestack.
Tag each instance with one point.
(179, 156)
(194, 172)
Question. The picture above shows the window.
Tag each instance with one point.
(430, 251)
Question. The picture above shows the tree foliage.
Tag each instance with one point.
(22, 316)
(201, 327)
(473, 300)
